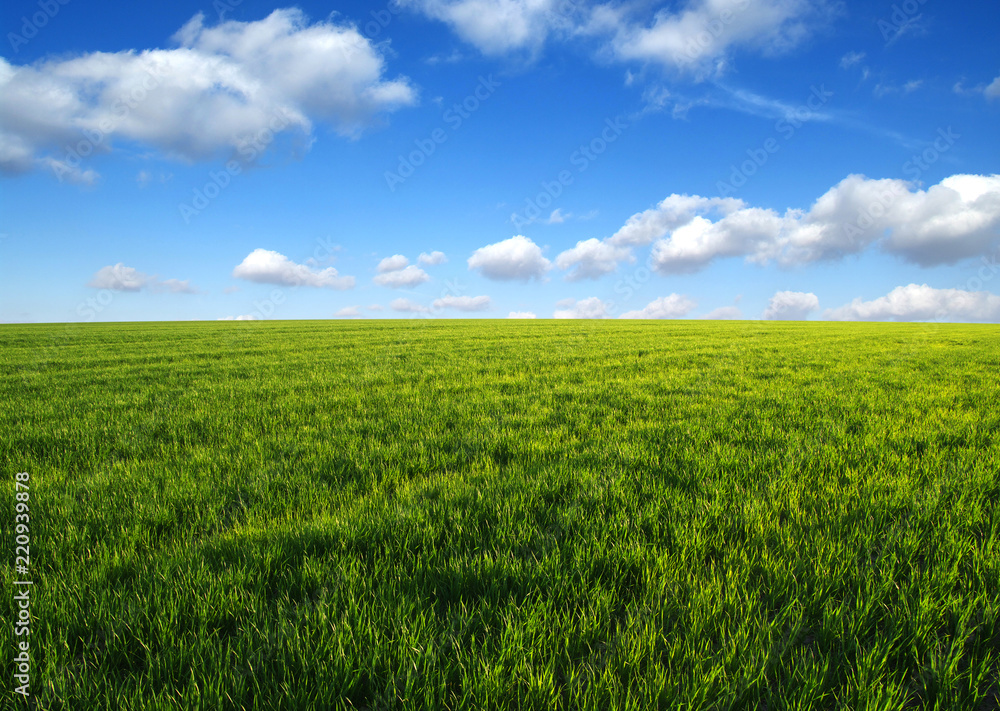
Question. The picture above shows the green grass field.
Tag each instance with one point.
(506, 514)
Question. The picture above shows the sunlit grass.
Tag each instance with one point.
(484, 514)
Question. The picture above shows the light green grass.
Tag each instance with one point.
(487, 514)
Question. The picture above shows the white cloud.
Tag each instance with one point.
(403, 278)
(993, 90)
(699, 35)
(955, 219)
(673, 212)
(883, 89)
(463, 303)
(122, 278)
(175, 286)
(144, 177)
(407, 306)
(452, 58)
(850, 59)
(392, 264)
(557, 217)
(497, 27)
(265, 266)
(119, 278)
(922, 303)
(766, 107)
(220, 87)
(517, 258)
(348, 312)
(244, 317)
(62, 169)
(521, 314)
(432, 260)
(724, 313)
(592, 307)
(673, 306)
(591, 259)
(693, 246)
(696, 36)
(791, 306)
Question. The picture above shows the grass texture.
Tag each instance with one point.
(506, 515)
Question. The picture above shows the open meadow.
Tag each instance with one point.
(491, 514)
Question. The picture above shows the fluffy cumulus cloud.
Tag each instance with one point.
(521, 314)
(697, 35)
(591, 259)
(592, 307)
(673, 306)
(514, 259)
(407, 306)
(953, 220)
(432, 260)
(694, 245)
(920, 302)
(463, 303)
(119, 277)
(265, 266)
(348, 312)
(497, 27)
(392, 264)
(673, 212)
(243, 317)
(791, 306)
(226, 89)
(402, 278)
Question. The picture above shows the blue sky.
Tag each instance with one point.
(486, 158)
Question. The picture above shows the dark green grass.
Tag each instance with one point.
(484, 514)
